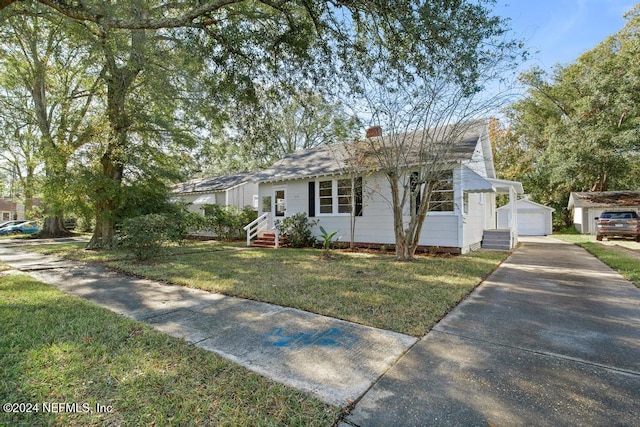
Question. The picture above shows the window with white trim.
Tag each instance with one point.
(325, 197)
(442, 195)
(344, 195)
(334, 197)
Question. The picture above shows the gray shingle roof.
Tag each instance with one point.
(210, 185)
(605, 199)
(335, 159)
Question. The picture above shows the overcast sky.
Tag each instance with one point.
(558, 31)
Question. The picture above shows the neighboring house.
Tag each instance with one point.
(238, 190)
(315, 181)
(587, 206)
(11, 210)
(534, 219)
(8, 210)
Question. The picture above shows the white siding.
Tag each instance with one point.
(440, 230)
(578, 219)
(482, 159)
(490, 211)
(376, 223)
(241, 196)
(297, 196)
(477, 163)
(190, 198)
(589, 218)
(474, 222)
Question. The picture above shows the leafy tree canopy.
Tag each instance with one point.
(169, 75)
(579, 126)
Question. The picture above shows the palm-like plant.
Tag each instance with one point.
(326, 241)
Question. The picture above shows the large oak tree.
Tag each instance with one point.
(580, 124)
(226, 49)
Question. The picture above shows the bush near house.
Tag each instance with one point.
(297, 230)
(227, 222)
(144, 235)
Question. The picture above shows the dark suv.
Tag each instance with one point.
(618, 223)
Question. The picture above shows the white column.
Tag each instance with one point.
(513, 214)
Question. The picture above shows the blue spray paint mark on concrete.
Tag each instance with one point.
(331, 338)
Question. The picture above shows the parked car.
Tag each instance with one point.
(27, 227)
(618, 224)
(10, 223)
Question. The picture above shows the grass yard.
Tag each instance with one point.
(615, 257)
(75, 250)
(59, 349)
(367, 288)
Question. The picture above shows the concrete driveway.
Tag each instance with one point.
(551, 338)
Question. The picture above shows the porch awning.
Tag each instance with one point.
(205, 199)
(502, 186)
(474, 183)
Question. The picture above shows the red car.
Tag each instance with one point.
(618, 224)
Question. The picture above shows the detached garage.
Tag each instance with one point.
(587, 206)
(534, 219)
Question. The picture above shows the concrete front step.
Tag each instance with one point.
(496, 239)
(499, 247)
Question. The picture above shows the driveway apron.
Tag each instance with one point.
(552, 337)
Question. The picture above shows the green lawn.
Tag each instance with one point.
(367, 288)
(616, 258)
(58, 349)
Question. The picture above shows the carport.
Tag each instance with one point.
(534, 219)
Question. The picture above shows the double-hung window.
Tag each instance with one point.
(442, 195)
(335, 196)
(325, 197)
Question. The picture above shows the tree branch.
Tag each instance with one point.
(80, 12)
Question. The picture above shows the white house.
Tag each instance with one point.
(534, 219)
(238, 190)
(587, 206)
(316, 181)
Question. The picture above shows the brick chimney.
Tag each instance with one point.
(374, 131)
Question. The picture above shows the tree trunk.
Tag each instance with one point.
(54, 227)
(108, 196)
(403, 252)
(103, 234)
(119, 80)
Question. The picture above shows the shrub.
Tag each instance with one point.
(144, 235)
(297, 229)
(227, 222)
(182, 223)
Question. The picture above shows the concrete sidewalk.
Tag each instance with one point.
(334, 360)
(552, 338)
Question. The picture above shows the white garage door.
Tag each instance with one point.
(531, 224)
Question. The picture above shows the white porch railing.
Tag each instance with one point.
(256, 226)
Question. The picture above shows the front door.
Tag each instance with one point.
(279, 199)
